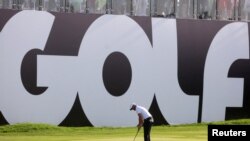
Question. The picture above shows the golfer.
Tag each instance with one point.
(145, 120)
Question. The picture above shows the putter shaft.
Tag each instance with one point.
(136, 133)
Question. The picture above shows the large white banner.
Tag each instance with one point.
(119, 60)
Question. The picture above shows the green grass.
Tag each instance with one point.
(44, 132)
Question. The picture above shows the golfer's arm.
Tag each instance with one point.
(140, 118)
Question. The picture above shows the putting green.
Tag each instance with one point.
(42, 132)
(30, 132)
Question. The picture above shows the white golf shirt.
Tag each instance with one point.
(143, 111)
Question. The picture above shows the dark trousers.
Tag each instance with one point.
(147, 128)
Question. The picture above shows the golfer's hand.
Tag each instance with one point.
(139, 126)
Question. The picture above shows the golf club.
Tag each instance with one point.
(137, 133)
